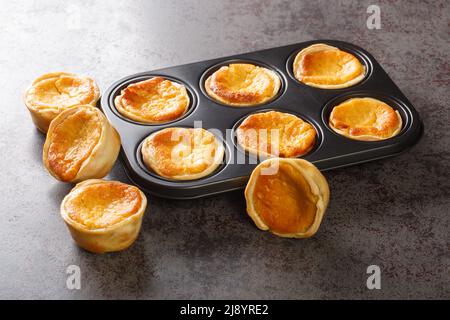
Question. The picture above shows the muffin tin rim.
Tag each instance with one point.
(193, 98)
(206, 73)
(224, 163)
(316, 147)
(392, 101)
(365, 60)
(234, 179)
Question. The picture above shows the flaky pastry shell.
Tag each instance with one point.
(104, 216)
(243, 84)
(81, 144)
(275, 133)
(275, 197)
(365, 119)
(52, 93)
(327, 67)
(155, 100)
(182, 153)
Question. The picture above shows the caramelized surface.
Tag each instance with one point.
(103, 204)
(180, 151)
(284, 200)
(365, 116)
(61, 91)
(328, 67)
(277, 134)
(72, 142)
(242, 83)
(153, 100)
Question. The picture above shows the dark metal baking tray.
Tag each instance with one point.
(311, 104)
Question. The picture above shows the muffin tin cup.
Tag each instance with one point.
(219, 168)
(317, 127)
(190, 92)
(227, 62)
(309, 103)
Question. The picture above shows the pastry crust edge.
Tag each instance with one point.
(263, 154)
(103, 156)
(106, 239)
(320, 47)
(219, 99)
(367, 137)
(316, 181)
(218, 158)
(131, 116)
(42, 117)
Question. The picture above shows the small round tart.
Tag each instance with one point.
(52, 93)
(288, 197)
(242, 84)
(81, 144)
(365, 119)
(182, 153)
(104, 216)
(155, 100)
(327, 67)
(276, 134)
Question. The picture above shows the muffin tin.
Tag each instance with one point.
(311, 104)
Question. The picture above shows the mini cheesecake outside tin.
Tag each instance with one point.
(312, 104)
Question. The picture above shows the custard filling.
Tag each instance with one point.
(155, 100)
(243, 83)
(330, 67)
(65, 91)
(284, 200)
(101, 205)
(277, 134)
(72, 142)
(365, 116)
(183, 151)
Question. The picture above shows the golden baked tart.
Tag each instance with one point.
(276, 134)
(104, 216)
(81, 144)
(327, 67)
(288, 197)
(155, 100)
(365, 119)
(242, 84)
(182, 153)
(52, 93)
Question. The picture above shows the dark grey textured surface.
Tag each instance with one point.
(393, 213)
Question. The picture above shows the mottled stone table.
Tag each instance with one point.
(393, 213)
